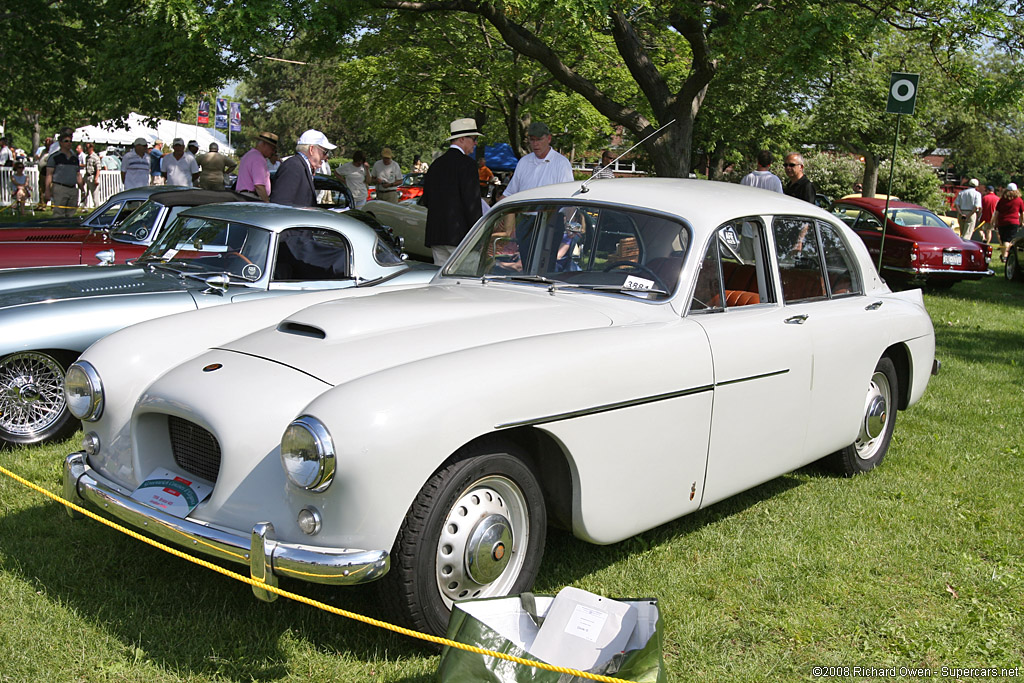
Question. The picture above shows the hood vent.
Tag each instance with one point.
(302, 330)
(52, 237)
(118, 284)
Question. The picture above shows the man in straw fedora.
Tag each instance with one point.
(451, 192)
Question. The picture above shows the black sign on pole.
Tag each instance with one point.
(902, 93)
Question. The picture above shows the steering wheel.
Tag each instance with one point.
(638, 268)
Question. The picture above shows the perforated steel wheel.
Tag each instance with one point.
(32, 405)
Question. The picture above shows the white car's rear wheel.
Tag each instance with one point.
(877, 424)
(476, 530)
(32, 404)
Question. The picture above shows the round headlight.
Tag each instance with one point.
(307, 454)
(84, 391)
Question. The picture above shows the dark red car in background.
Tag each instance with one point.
(919, 247)
(22, 247)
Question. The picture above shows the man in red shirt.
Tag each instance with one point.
(988, 209)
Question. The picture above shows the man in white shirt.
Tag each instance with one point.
(763, 176)
(542, 166)
(355, 174)
(968, 208)
(387, 176)
(179, 167)
(135, 166)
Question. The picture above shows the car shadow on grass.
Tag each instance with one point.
(186, 618)
(567, 559)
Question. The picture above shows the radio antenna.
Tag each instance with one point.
(583, 188)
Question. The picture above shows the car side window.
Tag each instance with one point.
(735, 269)
(867, 221)
(311, 254)
(846, 214)
(843, 276)
(799, 257)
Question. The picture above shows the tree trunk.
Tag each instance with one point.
(870, 181)
(670, 150)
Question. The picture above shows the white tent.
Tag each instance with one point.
(112, 133)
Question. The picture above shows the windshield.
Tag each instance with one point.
(915, 217)
(565, 245)
(137, 227)
(206, 245)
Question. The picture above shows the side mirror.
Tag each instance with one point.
(106, 257)
(217, 284)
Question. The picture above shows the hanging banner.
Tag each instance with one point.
(203, 118)
(221, 119)
(236, 116)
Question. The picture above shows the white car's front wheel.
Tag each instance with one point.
(476, 530)
(32, 404)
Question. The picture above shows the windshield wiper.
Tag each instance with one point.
(605, 288)
(519, 278)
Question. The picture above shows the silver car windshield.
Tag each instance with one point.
(138, 226)
(577, 247)
(197, 245)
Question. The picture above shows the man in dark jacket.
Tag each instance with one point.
(293, 185)
(451, 192)
(800, 186)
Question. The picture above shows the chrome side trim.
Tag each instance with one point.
(936, 271)
(632, 402)
(335, 566)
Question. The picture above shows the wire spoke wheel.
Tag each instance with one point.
(32, 400)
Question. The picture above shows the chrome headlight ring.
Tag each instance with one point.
(307, 454)
(83, 391)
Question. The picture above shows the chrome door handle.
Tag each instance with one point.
(873, 306)
(796, 319)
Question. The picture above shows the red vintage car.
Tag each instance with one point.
(919, 247)
(22, 247)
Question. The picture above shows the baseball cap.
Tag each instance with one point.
(177, 141)
(1011, 187)
(386, 153)
(140, 141)
(538, 129)
(974, 182)
(315, 137)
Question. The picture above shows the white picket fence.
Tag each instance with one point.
(110, 183)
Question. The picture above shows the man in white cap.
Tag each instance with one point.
(135, 165)
(179, 167)
(294, 182)
(387, 176)
(451, 192)
(968, 208)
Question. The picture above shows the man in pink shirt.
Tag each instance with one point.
(253, 173)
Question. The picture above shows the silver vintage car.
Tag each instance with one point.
(210, 255)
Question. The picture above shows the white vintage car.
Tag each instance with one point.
(605, 360)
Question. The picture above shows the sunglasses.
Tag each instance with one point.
(791, 165)
(66, 140)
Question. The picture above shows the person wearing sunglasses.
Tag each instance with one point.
(63, 179)
(800, 186)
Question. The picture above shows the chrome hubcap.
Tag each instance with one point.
(31, 393)
(876, 414)
(481, 548)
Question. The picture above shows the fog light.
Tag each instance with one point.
(91, 443)
(309, 520)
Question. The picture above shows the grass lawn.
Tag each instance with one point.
(917, 564)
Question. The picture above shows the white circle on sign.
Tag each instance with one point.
(903, 90)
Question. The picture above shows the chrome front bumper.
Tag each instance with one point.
(266, 557)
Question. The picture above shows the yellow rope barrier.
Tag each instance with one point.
(309, 601)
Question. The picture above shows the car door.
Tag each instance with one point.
(843, 325)
(762, 363)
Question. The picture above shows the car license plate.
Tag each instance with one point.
(173, 493)
(954, 258)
